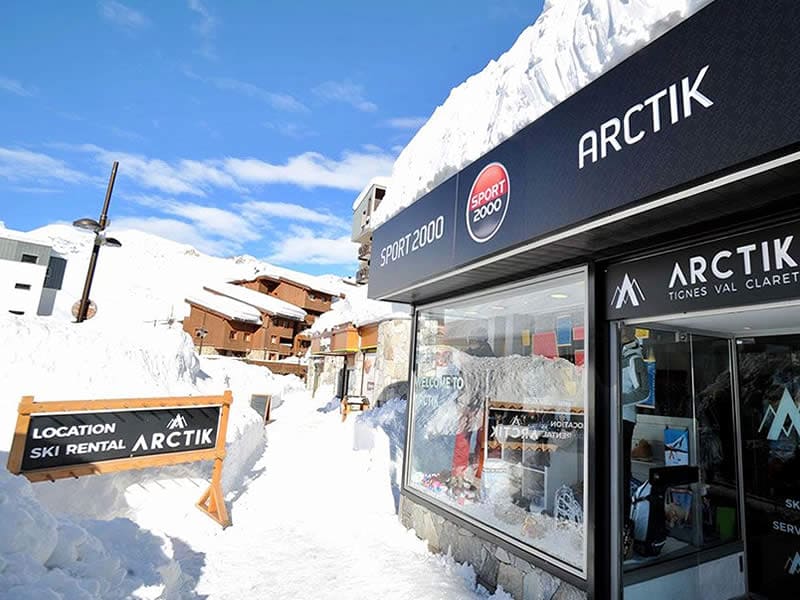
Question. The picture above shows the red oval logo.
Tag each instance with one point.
(488, 202)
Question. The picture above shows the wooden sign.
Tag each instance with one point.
(55, 440)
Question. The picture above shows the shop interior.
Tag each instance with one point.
(709, 427)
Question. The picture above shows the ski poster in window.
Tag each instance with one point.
(676, 446)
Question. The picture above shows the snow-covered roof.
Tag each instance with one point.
(262, 302)
(381, 181)
(227, 307)
(570, 45)
(312, 282)
(19, 236)
(359, 310)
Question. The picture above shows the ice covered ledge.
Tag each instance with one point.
(493, 565)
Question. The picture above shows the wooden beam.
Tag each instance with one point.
(94, 405)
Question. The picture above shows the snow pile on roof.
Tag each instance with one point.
(359, 310)
(227, 307)
(263, 302)
(149, 277)
(21, 236)
(326, 284)
(571, 43)
(381, 181)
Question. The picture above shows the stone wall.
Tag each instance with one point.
(327, 368)
(391, 360)
(493, 565)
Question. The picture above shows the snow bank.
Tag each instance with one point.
(571, 44)
(356, 308)
(43, 556)
(46, 550)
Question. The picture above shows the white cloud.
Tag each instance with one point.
(181, 232)
(278, 101)
(405, 122)
(22, 165)
(226, 224)
(124, 16)
(182, 177)
(347, 92)
(15, 87)
(205, 27)
(302, 246)
(257, 211)
(199, 177)
(312, 169)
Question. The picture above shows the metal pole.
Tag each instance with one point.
(84, 306)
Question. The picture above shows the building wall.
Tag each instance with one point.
(322, 372)
(12, 274)
(219, 331)
(494, 566)
(391, 360)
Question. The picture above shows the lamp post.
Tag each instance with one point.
(100, 239)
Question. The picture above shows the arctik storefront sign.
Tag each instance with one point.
(752, 268)
(717, 91)
(72, 439)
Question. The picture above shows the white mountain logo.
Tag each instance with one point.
(793, 564)
(787, 409)
(178, 422)
(627, 291)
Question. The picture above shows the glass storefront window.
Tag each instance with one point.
(498, 413)
(680, 489)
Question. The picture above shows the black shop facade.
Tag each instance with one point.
(605, 362)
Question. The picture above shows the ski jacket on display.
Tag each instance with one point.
(635, 381)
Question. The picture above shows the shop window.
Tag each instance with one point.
(678, 445)
(498, 414)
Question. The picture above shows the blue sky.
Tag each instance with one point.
(240, 127)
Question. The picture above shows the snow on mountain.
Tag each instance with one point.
(571, 44)
(148, 278)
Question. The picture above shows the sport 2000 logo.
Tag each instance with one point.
(488, 201)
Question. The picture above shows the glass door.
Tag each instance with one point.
(769, 390)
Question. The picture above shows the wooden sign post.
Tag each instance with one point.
(56, 440)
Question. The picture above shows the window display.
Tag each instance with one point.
(498, 413)
(678, 445)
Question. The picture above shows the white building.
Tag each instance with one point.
(31, 273)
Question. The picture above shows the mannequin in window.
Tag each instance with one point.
(474, 407)
(635, 387)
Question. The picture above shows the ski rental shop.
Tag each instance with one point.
(605, 360)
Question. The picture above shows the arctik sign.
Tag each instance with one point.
(78, 438)
(751, 268)
(55, 440)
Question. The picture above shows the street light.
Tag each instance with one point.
(100, 239)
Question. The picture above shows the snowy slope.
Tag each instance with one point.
(149, 277)
(571, 43)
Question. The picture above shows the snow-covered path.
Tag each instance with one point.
(315, 520)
